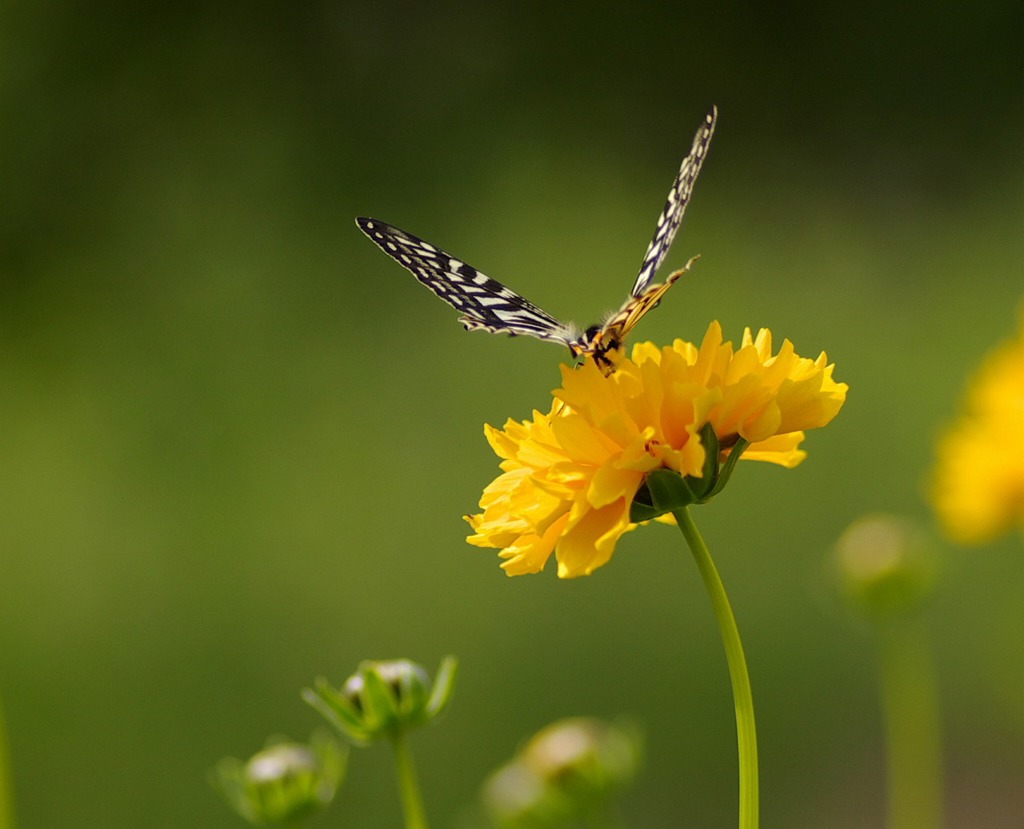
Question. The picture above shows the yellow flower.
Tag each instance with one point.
(978, 485)
(569, 475)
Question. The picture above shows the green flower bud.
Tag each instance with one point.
(283, 783)
(383, 699)
(887, 565)
(567, 771)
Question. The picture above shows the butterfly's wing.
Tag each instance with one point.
(678, 197)
(483, 302)
(489, 305)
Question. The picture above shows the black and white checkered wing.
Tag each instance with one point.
(679, 196)
(483, 302)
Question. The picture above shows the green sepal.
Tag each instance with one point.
(444, 686)
(730, 464)
(337, 710)
(663, 490)
(642, 508)
(381, 704)
(708, 481)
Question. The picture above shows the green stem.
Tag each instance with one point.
(743, 700)
(408, 784)
(6, 789)
(911, 711)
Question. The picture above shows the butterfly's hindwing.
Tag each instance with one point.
(619, 324)
(678, 197)
(602, 341)
(484, 303)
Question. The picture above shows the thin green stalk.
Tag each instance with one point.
(743, 700)
(913, 740)
(6, 789)
(408, 783)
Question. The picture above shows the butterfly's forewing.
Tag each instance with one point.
(483, 302)
(678, 197)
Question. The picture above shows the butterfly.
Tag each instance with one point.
(486, 304)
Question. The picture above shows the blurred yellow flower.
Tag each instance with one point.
(977, 488)
(569, 476)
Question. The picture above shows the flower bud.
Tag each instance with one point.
(283, 783)
(568, 770)
(383, 698)
(886, 564)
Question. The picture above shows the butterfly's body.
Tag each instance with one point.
(486, 304)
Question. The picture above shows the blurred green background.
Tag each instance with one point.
(237, 440)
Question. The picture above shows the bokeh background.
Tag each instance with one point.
(236, 440)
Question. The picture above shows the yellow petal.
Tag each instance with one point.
(590, 541)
